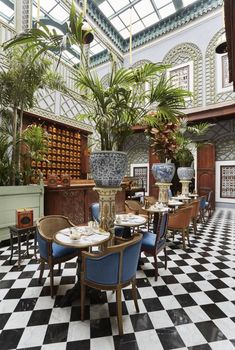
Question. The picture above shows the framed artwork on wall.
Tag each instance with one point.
(227, 181)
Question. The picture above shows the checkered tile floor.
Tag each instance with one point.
(191, 306)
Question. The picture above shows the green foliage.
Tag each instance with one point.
(114, 108)
(18, 85)
(184, 136)
(35, 149)
(41, 39)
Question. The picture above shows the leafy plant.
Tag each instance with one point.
(114, 108)
(185, 142)
(18, 85)
(35, 150)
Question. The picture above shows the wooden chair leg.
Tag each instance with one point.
(183, 238)
(83, 291)
(195, 225)
(156, 267)
(165, 254)
(188, 236)
(119, 310)
(134, 295)
(42, 267)
(51, 279)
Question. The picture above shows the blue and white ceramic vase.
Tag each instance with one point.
(185, 173)
(108, 168)
(163, 172)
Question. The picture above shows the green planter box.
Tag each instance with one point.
(15, 197)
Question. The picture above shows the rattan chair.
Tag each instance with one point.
(50, 252)
(180, 221)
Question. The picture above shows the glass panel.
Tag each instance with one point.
(119, 4)
(35, 14)
(106, 9)
(188, 2)
(59, 14)
(6, 10)
(167, 10)
(137, 27)
(151, 19)
(125, 33)
(144, 8)
(96, 49)
(47, 5)
(125, 17)
(161, 3)
(117, 23)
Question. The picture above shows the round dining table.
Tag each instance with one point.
(81, 237)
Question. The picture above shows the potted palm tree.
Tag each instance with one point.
(185, 144)
(113, 108)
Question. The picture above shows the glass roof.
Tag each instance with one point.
(7, 12)
(136, 15)
(124, 15)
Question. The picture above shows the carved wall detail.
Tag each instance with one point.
(223, 136)
(183, 54)
(46, 99)
(137, 150)
(212, 96)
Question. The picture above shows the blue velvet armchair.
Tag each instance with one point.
(155, 241)
(112, 269)
(50, 252)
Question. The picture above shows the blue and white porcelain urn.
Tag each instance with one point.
(163, 172)
(108, 168)
(185, 173)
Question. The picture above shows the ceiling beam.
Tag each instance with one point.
(131, 4)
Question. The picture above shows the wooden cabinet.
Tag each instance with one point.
(206, 170)
(67, 150)
(74, 201)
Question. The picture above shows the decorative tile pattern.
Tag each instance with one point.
(190, 306)
(182, 54)
(211, 77)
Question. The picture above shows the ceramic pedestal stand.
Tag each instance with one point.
(185, 187)
(107, 206)
(163, 191)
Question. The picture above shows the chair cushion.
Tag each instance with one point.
(149, 239)
(59, 251)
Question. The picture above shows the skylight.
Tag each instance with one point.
(144, 13)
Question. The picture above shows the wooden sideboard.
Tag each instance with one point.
(74, 201)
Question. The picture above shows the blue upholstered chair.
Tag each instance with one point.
(112, 269)
(50, 252)
(170, 195)
(154, 242)
(202, 209)
(95, 214)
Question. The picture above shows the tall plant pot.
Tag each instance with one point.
(185, 174)
(108, 168)
(163, 173)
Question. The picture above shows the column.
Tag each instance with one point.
(107, 206)
(23, 15)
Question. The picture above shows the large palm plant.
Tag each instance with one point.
(122, 102)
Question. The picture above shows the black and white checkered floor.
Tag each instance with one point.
(191, 306)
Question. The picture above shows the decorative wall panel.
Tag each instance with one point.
(137, 150)
(212, 75)
(183, 54)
